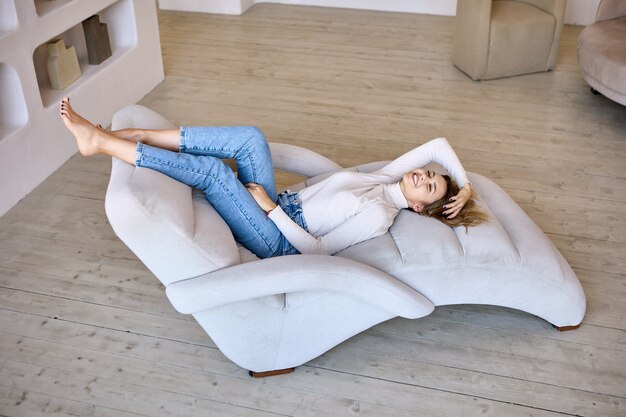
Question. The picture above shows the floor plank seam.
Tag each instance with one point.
(580, 268)
(106, 328)
(471, 371)
(174, 317)
(67, 399)
(507, 332)
(457, 393)
(182, 394)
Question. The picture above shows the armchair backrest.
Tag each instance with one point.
(610, 9)
(557, 9)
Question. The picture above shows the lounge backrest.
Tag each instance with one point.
(509, 240)
(174, 231)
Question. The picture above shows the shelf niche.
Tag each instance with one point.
(8, 17)
(13, 112)
(122, 37)
(46, 6)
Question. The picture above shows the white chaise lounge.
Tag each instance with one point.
(278, 313)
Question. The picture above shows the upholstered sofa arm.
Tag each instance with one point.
(298, 273)
(300, 161)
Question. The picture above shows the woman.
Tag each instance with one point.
(340, 211)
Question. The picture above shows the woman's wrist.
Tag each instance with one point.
(270, 208)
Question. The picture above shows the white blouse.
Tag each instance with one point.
(350, 207)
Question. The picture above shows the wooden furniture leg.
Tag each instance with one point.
(270, 373)
(566, 328)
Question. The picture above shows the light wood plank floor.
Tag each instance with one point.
(85, 330)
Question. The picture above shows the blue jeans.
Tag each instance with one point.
(198, 165)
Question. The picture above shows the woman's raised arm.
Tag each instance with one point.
(438, 151)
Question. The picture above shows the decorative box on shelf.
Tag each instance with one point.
(97, 40)
(62, 64)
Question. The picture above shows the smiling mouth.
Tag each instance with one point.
(415, 179)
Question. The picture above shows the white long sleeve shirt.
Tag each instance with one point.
(350, 207)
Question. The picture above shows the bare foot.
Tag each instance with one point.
(87, 135)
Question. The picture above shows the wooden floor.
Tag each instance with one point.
(86, 330)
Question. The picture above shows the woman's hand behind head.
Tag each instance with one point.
(458, 207)
(458, 202)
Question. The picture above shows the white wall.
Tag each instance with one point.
(578, 12)
(207, 6)
(439, 7)
(581, 12)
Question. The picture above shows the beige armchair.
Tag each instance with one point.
(502, 38)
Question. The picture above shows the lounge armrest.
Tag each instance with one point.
(301, 161)
(287, 274)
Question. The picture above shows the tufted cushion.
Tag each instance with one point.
(488, 244)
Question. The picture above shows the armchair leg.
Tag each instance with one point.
(566, 328)
(270, 373)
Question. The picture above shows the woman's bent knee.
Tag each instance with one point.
(256, 136)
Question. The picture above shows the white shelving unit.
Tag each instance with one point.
(33, 140)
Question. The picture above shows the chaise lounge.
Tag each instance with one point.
(278, 313)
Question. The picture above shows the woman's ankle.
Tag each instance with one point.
(128, 134)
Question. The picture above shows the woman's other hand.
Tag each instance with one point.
(458, 202)
(260, 196)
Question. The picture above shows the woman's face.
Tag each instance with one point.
(422, 187)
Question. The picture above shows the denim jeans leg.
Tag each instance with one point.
(223, 190)
(246, 144)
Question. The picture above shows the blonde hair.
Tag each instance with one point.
(469, 216)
